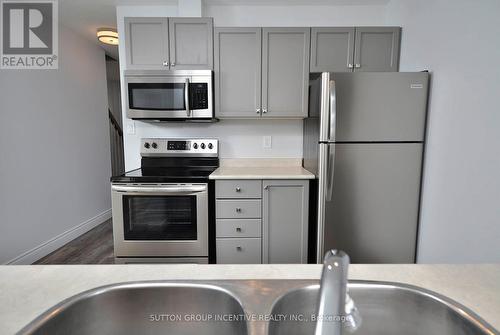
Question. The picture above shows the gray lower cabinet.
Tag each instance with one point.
(285, 72)
(191, 43)
(146, 43)
(238, 67)
(270, 226)
(154, 43)
(285, 212)
(377, 49)
(238, 250)
(332, 49)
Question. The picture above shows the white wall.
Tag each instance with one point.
(54, 146)
(458, 41)
(243, 138)
(295, 15)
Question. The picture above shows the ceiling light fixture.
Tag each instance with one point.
(107, 35)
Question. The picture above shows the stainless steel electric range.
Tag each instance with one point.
(163, 211)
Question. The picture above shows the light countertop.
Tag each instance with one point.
(27, 291)
(261, 172)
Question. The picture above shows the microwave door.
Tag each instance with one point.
(158, 98)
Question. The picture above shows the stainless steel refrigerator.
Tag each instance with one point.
(364, 140)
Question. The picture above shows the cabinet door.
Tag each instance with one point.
(377, 49)
(191, 43)
(285, 221)
(285, 72)
(146, 43)
(238, 72)
(332, 49)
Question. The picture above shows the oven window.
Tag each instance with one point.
(159, 218)
(156, 96)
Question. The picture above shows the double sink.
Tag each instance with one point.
(250, 307)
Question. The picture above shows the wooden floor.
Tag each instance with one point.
(93, 247)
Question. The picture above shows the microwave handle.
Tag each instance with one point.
(186, 98)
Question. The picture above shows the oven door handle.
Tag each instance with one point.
(160, 189)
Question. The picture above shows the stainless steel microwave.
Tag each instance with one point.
(169, 95)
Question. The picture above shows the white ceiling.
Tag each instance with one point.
(85, 16)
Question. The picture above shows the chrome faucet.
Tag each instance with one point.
(336, 310)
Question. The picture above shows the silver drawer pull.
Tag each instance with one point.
(238, 210)
(239, 248)
(238, 229)
(238, 189)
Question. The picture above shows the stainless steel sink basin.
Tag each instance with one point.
(256, 307)
(385, 309)
(145, 309)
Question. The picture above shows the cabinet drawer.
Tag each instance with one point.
(238, 209)
(238, 251)
(238, 228)
(238, 188)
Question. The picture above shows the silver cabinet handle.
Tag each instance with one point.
(238, 189)
(350, 65)
(173, 64)
(238, 210)
(238, 230)
(358, 66)
(264, 111)
(266, 187)
(165, 63)
(239, 248)
(257, 111)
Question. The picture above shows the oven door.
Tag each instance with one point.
(160, 220)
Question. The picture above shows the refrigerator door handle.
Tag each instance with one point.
(333, 112)
(330, 172)
(324, 127)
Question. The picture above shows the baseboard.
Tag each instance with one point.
(31, 256)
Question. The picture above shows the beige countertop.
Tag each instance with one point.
(27, 291)
(261, 168)
(261, 172)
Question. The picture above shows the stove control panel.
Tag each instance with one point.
(165, 147)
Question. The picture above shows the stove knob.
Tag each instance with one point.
(203, 145)
(154, 145)
(146, 145)
(195, 145)
(210, 145)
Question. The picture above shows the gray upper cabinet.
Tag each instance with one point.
(191, 43)
(238, 72)
(285, 72)
(332, 49)
(146, 43)
(285, 210)
(377, 49)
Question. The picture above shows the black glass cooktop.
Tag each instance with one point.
(160, 170)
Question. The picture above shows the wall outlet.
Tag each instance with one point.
(267, 142)
(131, 128)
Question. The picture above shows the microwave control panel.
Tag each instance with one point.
(198, 96)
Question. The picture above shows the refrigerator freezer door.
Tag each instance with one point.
(380, 107)
(373, 212)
